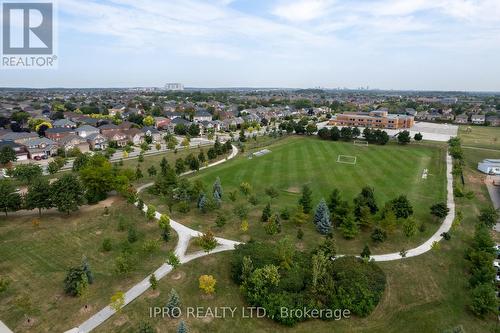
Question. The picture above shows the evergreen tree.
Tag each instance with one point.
(334, 200)
(322, 218)
(349, 227)
(365, 218)
(202, 202)
(218, 188)
(401, 206)
(182, 328)
(306, 199)
(164, 166)
(152, 171)
(138, 173)
(266, 213)
(328, 247)
(87, 271)
(174, 303)
(153, 281)
(389, 221)
(366, 253)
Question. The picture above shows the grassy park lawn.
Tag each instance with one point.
(480, 136)
(391, 170)
(35, 260)
(423, 294)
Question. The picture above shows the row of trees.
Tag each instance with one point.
(480, 256)
(364, 214)
(373, 136)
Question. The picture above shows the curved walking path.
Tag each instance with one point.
(185, 234)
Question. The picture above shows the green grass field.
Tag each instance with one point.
(35, 260)
(391, 170)
(480, 136)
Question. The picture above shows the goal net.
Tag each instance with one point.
(360, 143)
(346, 159)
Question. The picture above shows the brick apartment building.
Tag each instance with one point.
(372, 119)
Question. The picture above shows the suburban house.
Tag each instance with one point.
(177, 121)
(74, 141)
(489, 166)
(462, 119)
(19, 149)
(19, 137)
(126, 125)
(57, 133)
(86, 130)
(116, 110)
(134, 135)
(372, 119)
(97, 141)
(152, 132)
(40, 147)
(202, 115)
(162, 122)
(118, 137)
(64, 123)
(109, 129)
(478, 119)
(493, 120)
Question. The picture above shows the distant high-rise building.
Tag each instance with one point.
(174, 86)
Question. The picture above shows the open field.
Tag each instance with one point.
(35, 259)
(391, 170)
(480, 137)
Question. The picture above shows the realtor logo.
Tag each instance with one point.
(28, 35)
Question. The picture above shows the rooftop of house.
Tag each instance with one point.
(59, 130)
(87, 128)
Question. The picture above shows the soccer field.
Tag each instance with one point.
(391, 170)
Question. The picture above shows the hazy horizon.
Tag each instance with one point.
(411, 45)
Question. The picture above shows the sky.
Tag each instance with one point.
(384, 44)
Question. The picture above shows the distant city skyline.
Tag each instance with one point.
(439, 45)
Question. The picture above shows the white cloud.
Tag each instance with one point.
(302, 10)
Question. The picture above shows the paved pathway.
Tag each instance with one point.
(185, 234)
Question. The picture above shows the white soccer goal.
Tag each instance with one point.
(361, 143)
(346, 159)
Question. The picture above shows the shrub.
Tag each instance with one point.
(285, 214)
(379, 235)
(106, 245)
(207, 241)
(207, 284)
(132, 235)
(220, 221)
(4, 284)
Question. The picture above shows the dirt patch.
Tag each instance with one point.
(153, 294)
(120, 321)
(293, 189)
(207, 319)
(207, 296)
(245, 238)
(98, 232)
(86, 309)
(178, 275)
(30, 322)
